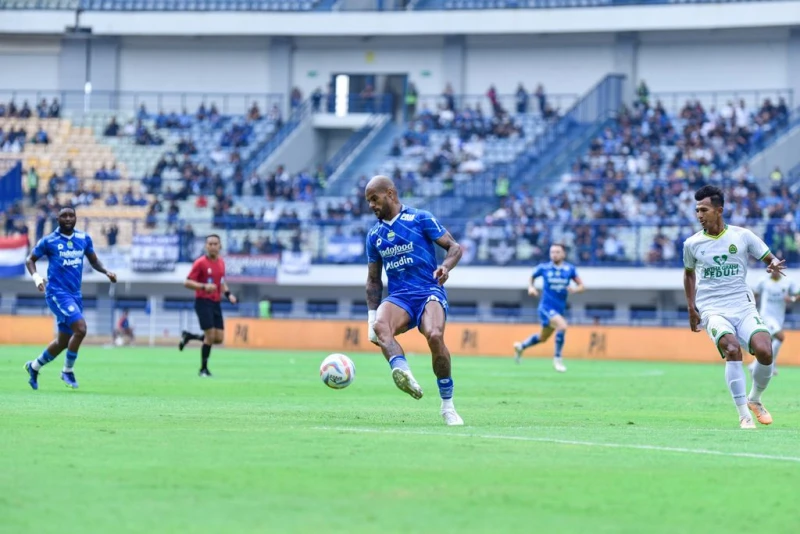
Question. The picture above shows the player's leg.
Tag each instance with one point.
(723, 334)
(187, 336)
(56, 347)
(393, 318)
(560, 325)
(760, 346)
(535, 339)
(79, 330)
(432, 326)
(205, 316)
(212, 336)
(777, 340)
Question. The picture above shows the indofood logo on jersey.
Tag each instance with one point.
(398, 250)
(721, 269)
(72, 258)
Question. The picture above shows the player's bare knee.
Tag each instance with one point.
(383, 330)
(219, 338)
(435, 337)
(763, 353)
(731, 350)
(79, 330)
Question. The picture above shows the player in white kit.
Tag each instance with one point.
(774, 293)
(718, 298)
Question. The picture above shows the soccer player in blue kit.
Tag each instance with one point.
(402, 243)
(64, 249)
(557, 275)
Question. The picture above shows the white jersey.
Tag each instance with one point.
(772, 296)
(721, 266)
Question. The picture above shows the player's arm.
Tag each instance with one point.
(690, 287)
(30, 264)
(227, 292)
(98, 266)
(773, 263)
(758, 249)
(532, 291)
(193, 280)
(578, 287)
(374, 294)
(442, 273)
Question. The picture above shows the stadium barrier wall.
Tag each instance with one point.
(22, 330)
(473, 339)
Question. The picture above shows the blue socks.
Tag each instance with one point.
(42, 360)
(559, 342)
(70, 361)
(531, 341)
(399, 362)
(445, 388)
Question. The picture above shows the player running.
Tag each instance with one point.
(64, 249)
(721, 302)
(774, 292)
(207, 279)
(402, 243)
(557, 275)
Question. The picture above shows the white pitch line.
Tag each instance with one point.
(536, 374)
(680, 450)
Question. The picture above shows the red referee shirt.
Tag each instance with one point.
(208, 271)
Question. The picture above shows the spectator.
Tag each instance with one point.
(112, 128)
(32, 180)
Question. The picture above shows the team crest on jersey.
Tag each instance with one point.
(69, 244)
(732, 249)
(713, 331)
(391, 235)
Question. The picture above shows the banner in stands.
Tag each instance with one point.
(295, 262)
(482, 339)
(13, 251)
(344, 249)
(154, 253)
(262, 268)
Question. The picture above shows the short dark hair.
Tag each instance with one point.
(214, 235)
(713, 192)
(62, 208)
(562, 245)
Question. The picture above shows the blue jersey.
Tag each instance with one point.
(556, 281)
(65, 256)
(406, 247)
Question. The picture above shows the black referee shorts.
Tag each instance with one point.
(209, 313)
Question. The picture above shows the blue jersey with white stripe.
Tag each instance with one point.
(406, 247)
(65, 256)
(556, 281)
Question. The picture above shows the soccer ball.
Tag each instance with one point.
(337, 371)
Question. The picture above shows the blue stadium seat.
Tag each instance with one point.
(469, 309)
(282, 307)
(322, 307)
(359, 309)
(178, 304)
(131, 303)
(506, 310)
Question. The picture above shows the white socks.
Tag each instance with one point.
(734, 377)
(761, 377)
(776, 346)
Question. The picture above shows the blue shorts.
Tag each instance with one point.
(545, 314)
(67, 309)
(414, 303)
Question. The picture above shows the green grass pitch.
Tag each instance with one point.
(145, 446)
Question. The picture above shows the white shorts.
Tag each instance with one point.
(773, 325)
(743, 325)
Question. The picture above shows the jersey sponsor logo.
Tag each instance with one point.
(378, 242)
(71, 254)
(732, 249)
(60, 246)
(397, 250)
(400, 262)
(407, 217)
(722, 269)
(74, 262)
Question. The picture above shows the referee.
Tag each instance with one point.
(207, 279)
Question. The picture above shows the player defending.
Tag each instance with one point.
(775, 292)
(721, 302)
(64, 249)
(402, 242)
(557, 275)
(207, 279)
(123, 334)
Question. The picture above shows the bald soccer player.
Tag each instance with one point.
(402, 243)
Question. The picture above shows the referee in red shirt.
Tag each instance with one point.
(207, 279)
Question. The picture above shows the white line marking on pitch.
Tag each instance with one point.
(523, 374)
(658, 448)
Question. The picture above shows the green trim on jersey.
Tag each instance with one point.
(716, 236)
(764, 255)
(719, 338)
